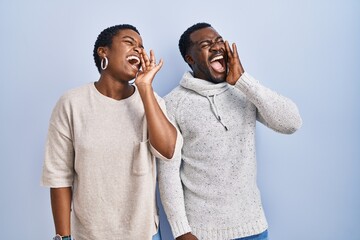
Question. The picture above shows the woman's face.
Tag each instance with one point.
(124, 55)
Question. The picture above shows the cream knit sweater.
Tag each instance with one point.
(211, 189)
(99, 146)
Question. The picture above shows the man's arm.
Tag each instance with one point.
(172, 197)
(274, 110)
(162, 134)
(61, 208)
(171, 189)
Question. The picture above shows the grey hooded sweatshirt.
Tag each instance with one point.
(211, 189)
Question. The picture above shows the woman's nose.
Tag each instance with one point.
(138, 49)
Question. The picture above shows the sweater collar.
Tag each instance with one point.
(203, 87)
(206, 89)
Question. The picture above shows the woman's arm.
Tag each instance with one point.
(162, 134)
(61, 208)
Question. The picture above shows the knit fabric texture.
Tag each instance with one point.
(211, 190)
(99, 147)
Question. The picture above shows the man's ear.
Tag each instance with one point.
(189, 59)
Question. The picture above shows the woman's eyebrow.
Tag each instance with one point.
(133, 39)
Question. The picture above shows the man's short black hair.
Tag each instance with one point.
(105, 40)
(185, 42)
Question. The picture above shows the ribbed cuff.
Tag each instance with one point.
(179, 227)
(246, 82)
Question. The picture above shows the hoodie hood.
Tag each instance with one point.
(203, 87)
(206, 89)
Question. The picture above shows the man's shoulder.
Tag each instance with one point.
(176, 94)
(175, 97)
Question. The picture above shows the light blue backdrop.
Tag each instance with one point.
(307, 50)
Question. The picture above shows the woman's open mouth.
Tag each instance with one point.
(134, 61)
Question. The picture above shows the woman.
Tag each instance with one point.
(102, 142)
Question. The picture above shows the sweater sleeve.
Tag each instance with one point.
(58, 168)
(273, 110)
(172, 195)
(171, 190)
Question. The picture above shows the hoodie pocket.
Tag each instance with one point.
(142, 159)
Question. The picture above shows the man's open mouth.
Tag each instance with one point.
(218, 63)
(134, 61)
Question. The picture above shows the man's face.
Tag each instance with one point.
(124, 54)
(207, 55)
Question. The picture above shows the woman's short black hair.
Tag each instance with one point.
(105, 40)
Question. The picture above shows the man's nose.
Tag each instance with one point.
(217, 46)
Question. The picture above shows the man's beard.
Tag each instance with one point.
(214, 79)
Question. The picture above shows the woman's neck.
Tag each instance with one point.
(114, 89)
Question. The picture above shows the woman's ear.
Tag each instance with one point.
(101, 51)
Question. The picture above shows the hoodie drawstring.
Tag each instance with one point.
(215, 111)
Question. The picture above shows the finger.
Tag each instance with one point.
(146, 58)
(152, 57)
(160, 64)
(157, 67)
(228, 49)
(142, 60)
(235, 52)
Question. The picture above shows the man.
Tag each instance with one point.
(102, 142)
(210, 193)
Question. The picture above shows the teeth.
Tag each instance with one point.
(133, 58)
(216, 58)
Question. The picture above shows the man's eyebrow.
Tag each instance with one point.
(204, 41)
(132, 39)
(209, 41)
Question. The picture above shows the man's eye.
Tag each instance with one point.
(205, 45)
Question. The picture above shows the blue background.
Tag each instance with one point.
(306, 50)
